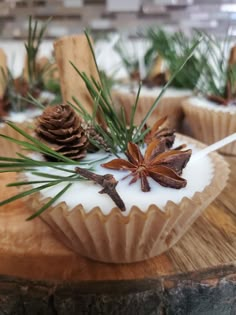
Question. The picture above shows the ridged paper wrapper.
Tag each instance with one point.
(167, 106)
(8, 148)
(137, 236)
(209, 125)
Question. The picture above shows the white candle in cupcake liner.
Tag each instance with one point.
(213, 147)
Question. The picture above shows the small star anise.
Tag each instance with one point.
(161, 130)
(164, 167)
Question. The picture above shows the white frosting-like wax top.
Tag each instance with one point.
(20, 117)
(205, 103)
(198, 175)
(153, 92)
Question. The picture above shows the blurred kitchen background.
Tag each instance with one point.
(72, 16)
(108, 18)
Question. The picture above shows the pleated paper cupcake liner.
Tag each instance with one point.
(209, 126)
(140, 235)
(168, 106)
(8, 148)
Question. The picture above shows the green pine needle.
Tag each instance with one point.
(134, 107)
(25, 193)
(117, 134)
(36, 76)
(217, 74)
(36, 144)
(35, 37)
(49, 203)
(128, 59)
(174, 48)
(180, 67)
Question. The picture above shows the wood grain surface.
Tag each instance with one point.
(30, 250)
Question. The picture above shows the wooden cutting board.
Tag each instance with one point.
(206, 254)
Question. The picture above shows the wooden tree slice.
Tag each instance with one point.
(203, 262)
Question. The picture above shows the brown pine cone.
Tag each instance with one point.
(60, 128)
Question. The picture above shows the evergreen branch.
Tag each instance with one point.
(32, 100)
(35, 82)
(49, 203)
(17, 184)
(51, 176)
(34, 41)
(25, 193)
(164, 89)
(93, 53)
(134, 108)
(117, 135)
(129, 61)
(36, 144)
(173, 48)
(12, 170)
(218, 77)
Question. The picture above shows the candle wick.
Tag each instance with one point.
(213, 147)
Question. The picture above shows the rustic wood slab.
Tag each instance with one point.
(197, 276)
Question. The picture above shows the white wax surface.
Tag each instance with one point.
(205, 103)
(198, 175)
(20, 117)
(154, 92)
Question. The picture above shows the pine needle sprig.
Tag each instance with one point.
(12, 96)
(36, 102)
(46, 180)
(42, 184)
(173, 48)
(49, 203)
(43, 180)
(35, 190)
(28, 100)
(35, 145)
(218, 80)
(129, 60)
(117, 134)
(25, 193)
(36, 78)
(39, 102)
(180, 67)
(35, 37)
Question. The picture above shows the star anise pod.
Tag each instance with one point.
(161, 130)
(164, 167)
